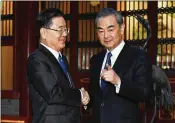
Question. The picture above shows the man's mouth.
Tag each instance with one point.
(107, 41)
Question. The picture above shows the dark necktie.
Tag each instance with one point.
(60, 60)
(108, 61)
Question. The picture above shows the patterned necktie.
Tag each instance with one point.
(64, 69)
(108, 61)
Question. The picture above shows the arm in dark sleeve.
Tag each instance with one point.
(91, 86)
(43, 80)
(139, 86)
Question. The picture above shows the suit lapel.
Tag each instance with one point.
(52, 58)
(97, 70)
(122, 61)
(48, 54)
(100, 62)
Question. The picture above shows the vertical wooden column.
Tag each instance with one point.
(112, 4)
(74, 41)
(33, 9)
(152, 17)
(25, 42)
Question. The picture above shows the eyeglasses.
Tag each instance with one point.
(61, 31)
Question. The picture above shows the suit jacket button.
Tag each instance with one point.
(102, 104)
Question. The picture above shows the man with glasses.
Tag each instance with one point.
(120, 75)
(53, 94)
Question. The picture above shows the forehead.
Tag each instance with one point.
(105, 22)
(59, 21)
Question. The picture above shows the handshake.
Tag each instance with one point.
(85, 96)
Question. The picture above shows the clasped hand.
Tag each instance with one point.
(85, 96)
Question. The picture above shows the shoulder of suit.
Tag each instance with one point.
(135, 50)
(36, 54)
(98, 55)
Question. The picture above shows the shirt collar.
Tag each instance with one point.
(54, 52)
(116, 51)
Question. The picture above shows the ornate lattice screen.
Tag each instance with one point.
(166, 44)
(166, 35)
(87, 38)
(134, 31)
(7, 42)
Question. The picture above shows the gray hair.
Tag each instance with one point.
(107, 12)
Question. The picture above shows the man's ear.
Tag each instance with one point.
(122, 28)
(43, 33)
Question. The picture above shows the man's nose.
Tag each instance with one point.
(106, 34)
(64, 33)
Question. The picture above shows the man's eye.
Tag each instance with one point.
(110, 30)
(100, 31)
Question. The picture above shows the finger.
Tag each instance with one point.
(105, 75)
(82, 89)
(108, 67)
(87, 98)
(85, 102)
(87, 94)
(107, 78)
(102, 72)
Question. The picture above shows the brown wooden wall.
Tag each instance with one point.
(25, 42)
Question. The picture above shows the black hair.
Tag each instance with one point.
(44, 19)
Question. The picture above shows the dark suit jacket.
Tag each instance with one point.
(134, 70)
(53, 101)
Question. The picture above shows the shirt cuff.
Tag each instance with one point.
(81, 94)
(117, 87)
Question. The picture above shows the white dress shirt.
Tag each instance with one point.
(115, 53)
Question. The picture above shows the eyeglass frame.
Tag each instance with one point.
(60, 32)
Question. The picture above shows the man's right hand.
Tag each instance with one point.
(85, 96)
